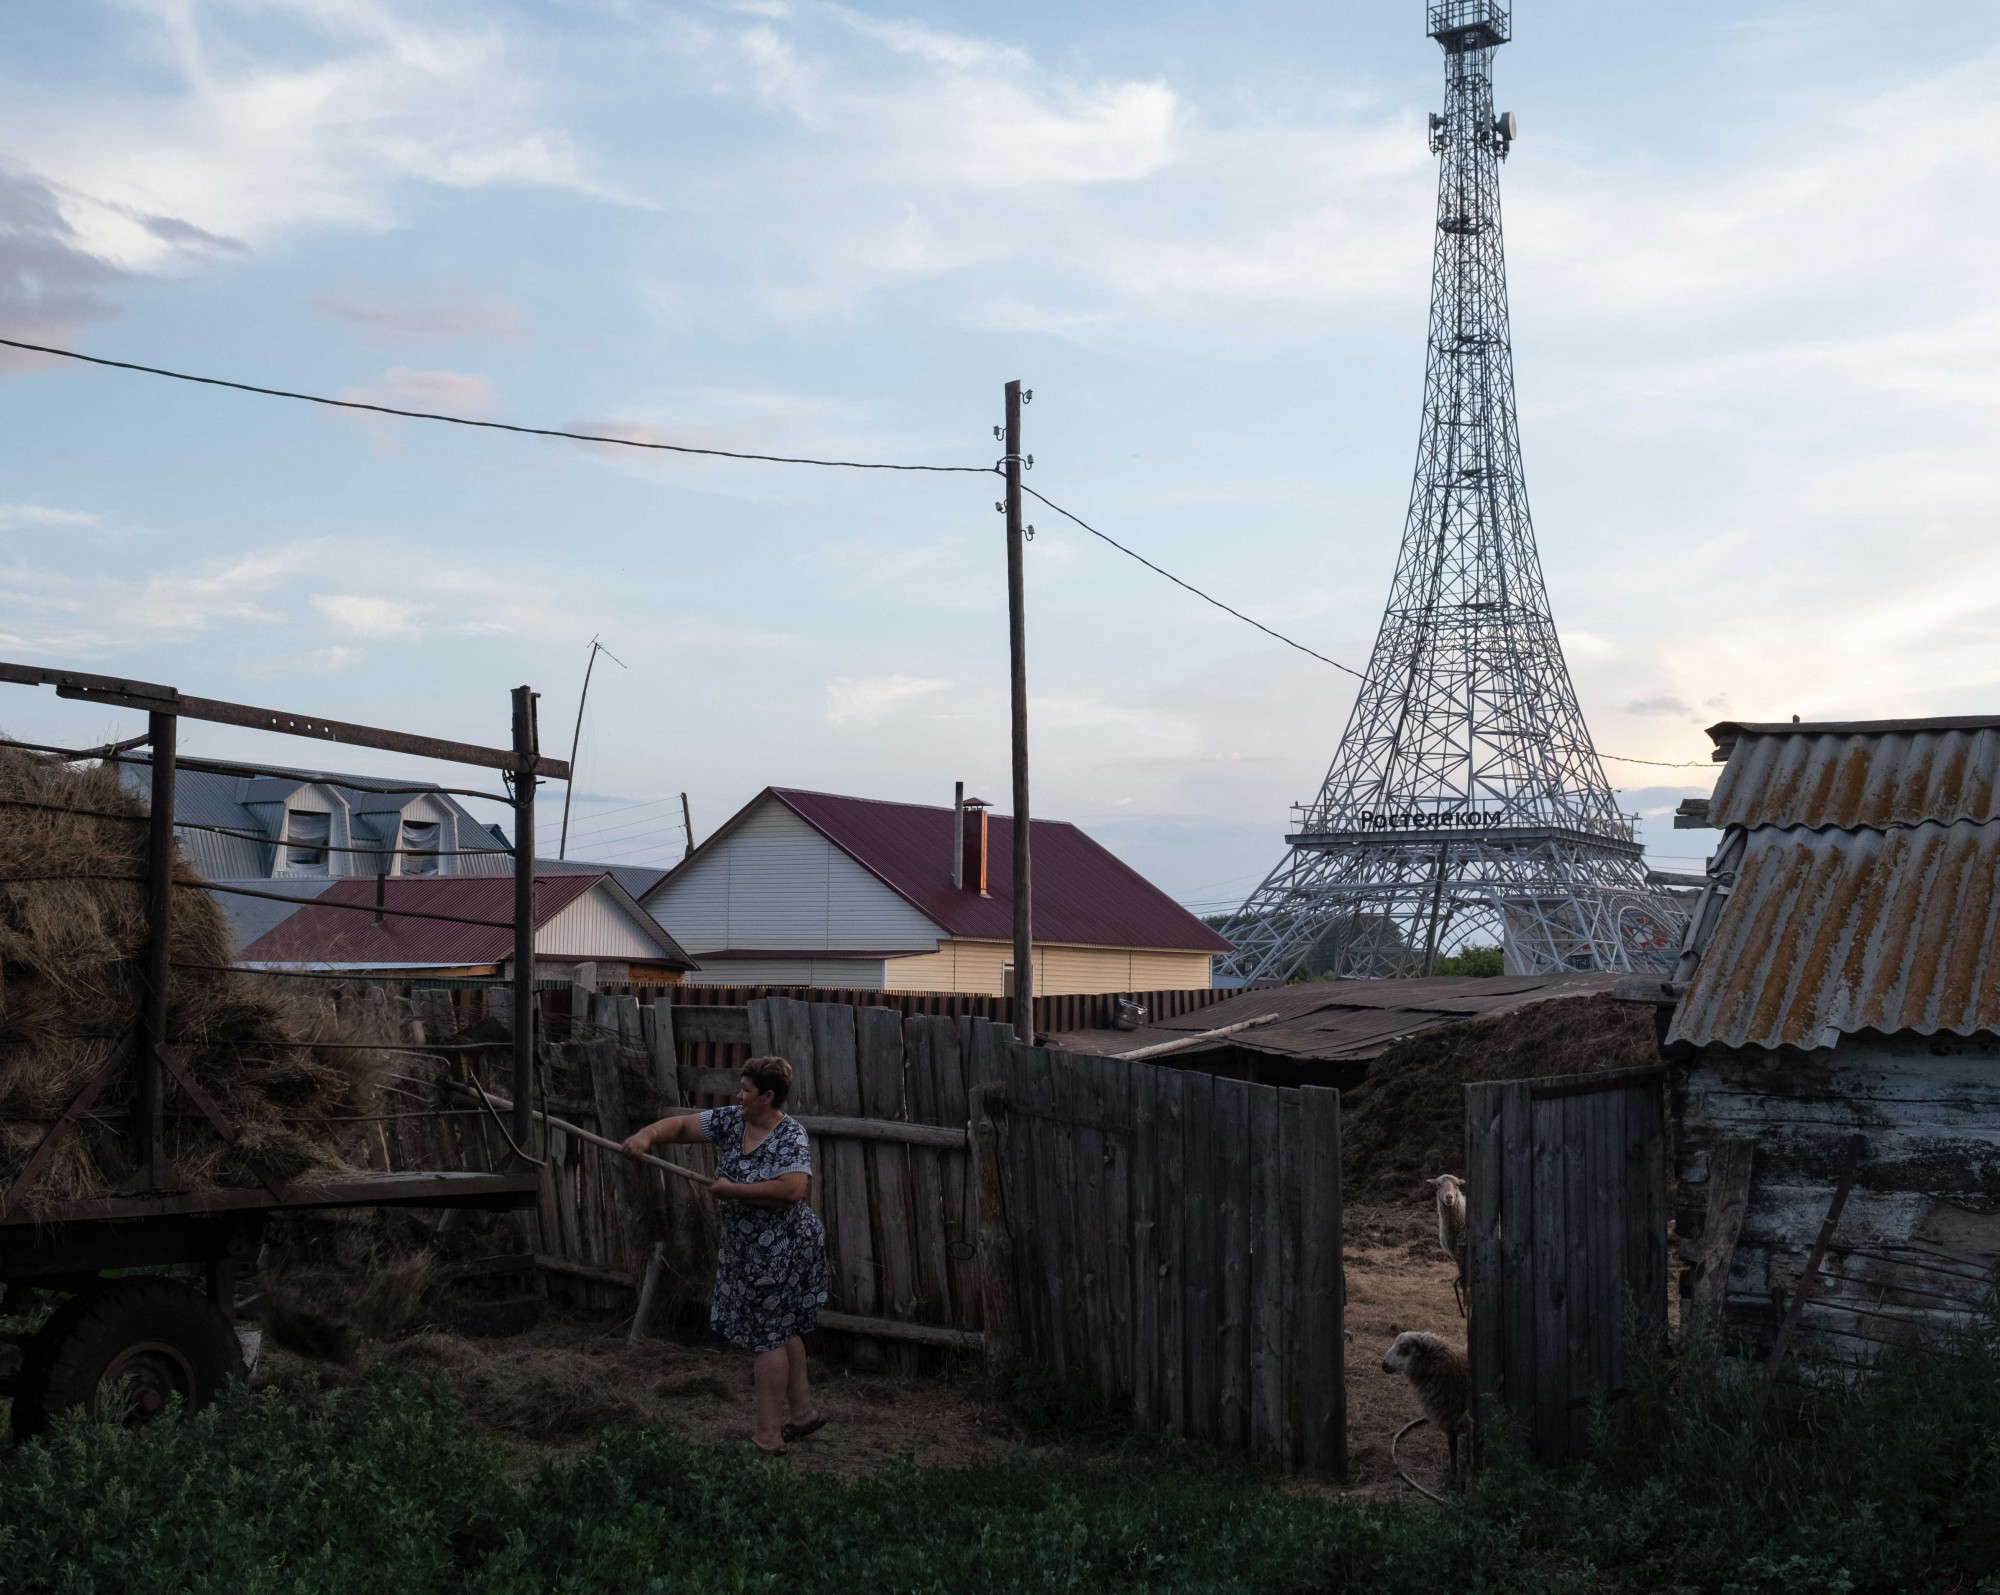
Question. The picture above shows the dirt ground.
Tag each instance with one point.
(555, 1388)
(551, 1391)
(1398, 1278)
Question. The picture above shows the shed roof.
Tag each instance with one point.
(1866, 893)
(1083, 895)
(1867, 773)
(321, 934)
(1333, 1020)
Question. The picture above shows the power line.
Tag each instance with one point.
(490, 426)
(725, 454)
(1661, 764)
(1190, 587)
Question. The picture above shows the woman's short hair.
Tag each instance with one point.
(770, 1074)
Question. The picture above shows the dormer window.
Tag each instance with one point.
(306, 837)
(420, 847)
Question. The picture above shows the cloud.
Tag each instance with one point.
(12, 515)
(1662, 705)
(368, 617)
(51, 286)
(254, 122)
(448, 313)
(431, 392)
(865, 699)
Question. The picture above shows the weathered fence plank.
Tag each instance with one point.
(1266, 1336)
(1232, 1191)
(878, 1034)
(1565, 1196)
(1322, 1289)
(1203, 1322)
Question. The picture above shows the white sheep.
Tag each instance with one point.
(1451, 1228)
(1441, 1377)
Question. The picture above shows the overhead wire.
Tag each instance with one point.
(1189, 586)
(490, 426)
(727, 454)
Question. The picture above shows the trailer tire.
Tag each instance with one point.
(166, 1338)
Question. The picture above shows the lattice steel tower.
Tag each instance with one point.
(1466, 802)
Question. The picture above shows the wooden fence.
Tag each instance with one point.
(1171, 1240)
(1567, 1231)
(1176, 1244)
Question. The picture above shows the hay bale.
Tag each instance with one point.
(70, 985)
(1406, 1122)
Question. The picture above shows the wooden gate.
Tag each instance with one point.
(1566, 1209)
(1176, 1244)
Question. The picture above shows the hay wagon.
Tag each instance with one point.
(144, 1338)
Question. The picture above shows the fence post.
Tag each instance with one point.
(996, 1245)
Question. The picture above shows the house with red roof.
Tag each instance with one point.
(813, 889)
(444, 926)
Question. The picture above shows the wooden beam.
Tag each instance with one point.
(896, 1329)
(156, 699)
(1161, 1049)
(1728, 1197)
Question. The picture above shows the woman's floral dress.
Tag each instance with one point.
(770, 1269)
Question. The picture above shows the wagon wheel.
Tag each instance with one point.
(124, 1350)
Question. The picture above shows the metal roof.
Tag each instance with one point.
(1868, 773)
(1083, 895)
(1865, 889)
(1895, 929)
(638, 879)
(1348, 1019)
(321, 935)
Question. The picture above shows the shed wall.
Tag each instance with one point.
(1921, 1231)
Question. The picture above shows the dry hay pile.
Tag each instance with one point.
(69, 994)
(1407, 1121)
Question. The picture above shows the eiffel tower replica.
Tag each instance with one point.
(1466, 802)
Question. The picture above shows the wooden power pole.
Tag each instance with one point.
(1017, 641)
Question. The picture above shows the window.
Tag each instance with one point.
(420, 841)
(306, 838)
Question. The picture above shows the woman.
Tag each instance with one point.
(770, 1268)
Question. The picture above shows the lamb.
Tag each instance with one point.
(1451, 1228)
(1440, 1375)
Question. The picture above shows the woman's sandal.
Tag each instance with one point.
(798, 1431)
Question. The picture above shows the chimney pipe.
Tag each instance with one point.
(958, 836)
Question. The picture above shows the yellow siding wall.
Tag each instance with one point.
(980, 966)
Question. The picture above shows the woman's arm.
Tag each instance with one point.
(780, 1192)
(681, 1127)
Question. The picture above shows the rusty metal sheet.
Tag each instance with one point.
(1846, 776)
(1888, 930)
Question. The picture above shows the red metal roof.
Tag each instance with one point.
(1083, 895)
(321, 935)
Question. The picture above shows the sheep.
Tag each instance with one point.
(1451, 1228)
(1440, 1375)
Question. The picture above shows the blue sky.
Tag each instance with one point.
(1755, 327)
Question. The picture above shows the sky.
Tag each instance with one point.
(1755, 325)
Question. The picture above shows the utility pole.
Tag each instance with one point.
(1017, 643)
(687, 825)
(527, 755)
(576, 736)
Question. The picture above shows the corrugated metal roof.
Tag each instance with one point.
(638, 879)
(1083, 894)
(1349, 1019)
(1861, 929)
(322, 935)
(1875, 774)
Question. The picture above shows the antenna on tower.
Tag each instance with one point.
(1466, 801)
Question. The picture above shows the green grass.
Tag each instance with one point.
(1720, 1488)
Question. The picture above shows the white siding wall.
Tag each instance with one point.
(776, 882)
(596, 926)
(841, 974)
